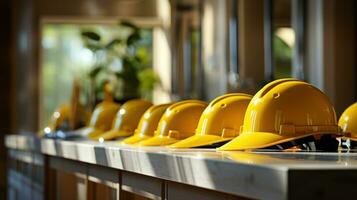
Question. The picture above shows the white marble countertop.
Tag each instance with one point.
(262, 175)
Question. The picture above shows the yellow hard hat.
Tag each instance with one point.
(179, 122)
(127, 119)
(285, 112)
(259, 157)
(59, 119)
(220, 121)
(347, 122)
(101, 119)
(148, 124)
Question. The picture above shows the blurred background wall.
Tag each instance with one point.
(198, 48)
(201, 48)
(6, 92)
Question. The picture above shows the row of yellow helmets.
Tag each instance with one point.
(283, 111)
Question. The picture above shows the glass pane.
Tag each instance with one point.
(283, 38)
(186, 41)
(283, 42)
(66, 56)
(63, 57)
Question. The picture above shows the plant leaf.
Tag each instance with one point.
(133, 38)
(148, 80)
(91, 35)
(113, 43)
(119, 74)
(92, 47)
(95, 71)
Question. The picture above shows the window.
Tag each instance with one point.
(283, 41)
(64, 58)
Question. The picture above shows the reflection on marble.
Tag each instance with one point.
(94, 152)
(258, 174)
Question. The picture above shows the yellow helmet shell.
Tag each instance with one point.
(58, 119)
(347, 122)
(101, 119)
(254, 158)
(179, 122)
(220, 121)
(127, 119)
(148, 124)
(282, 111)
(60, 116)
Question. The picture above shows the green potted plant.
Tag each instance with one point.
(133, 77)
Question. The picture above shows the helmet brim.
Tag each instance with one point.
(352, 137)
(113, 134)
(257, 140)
(158, 141)
(90, 132)
(135, 139)
(253, 158)
(199, 140)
